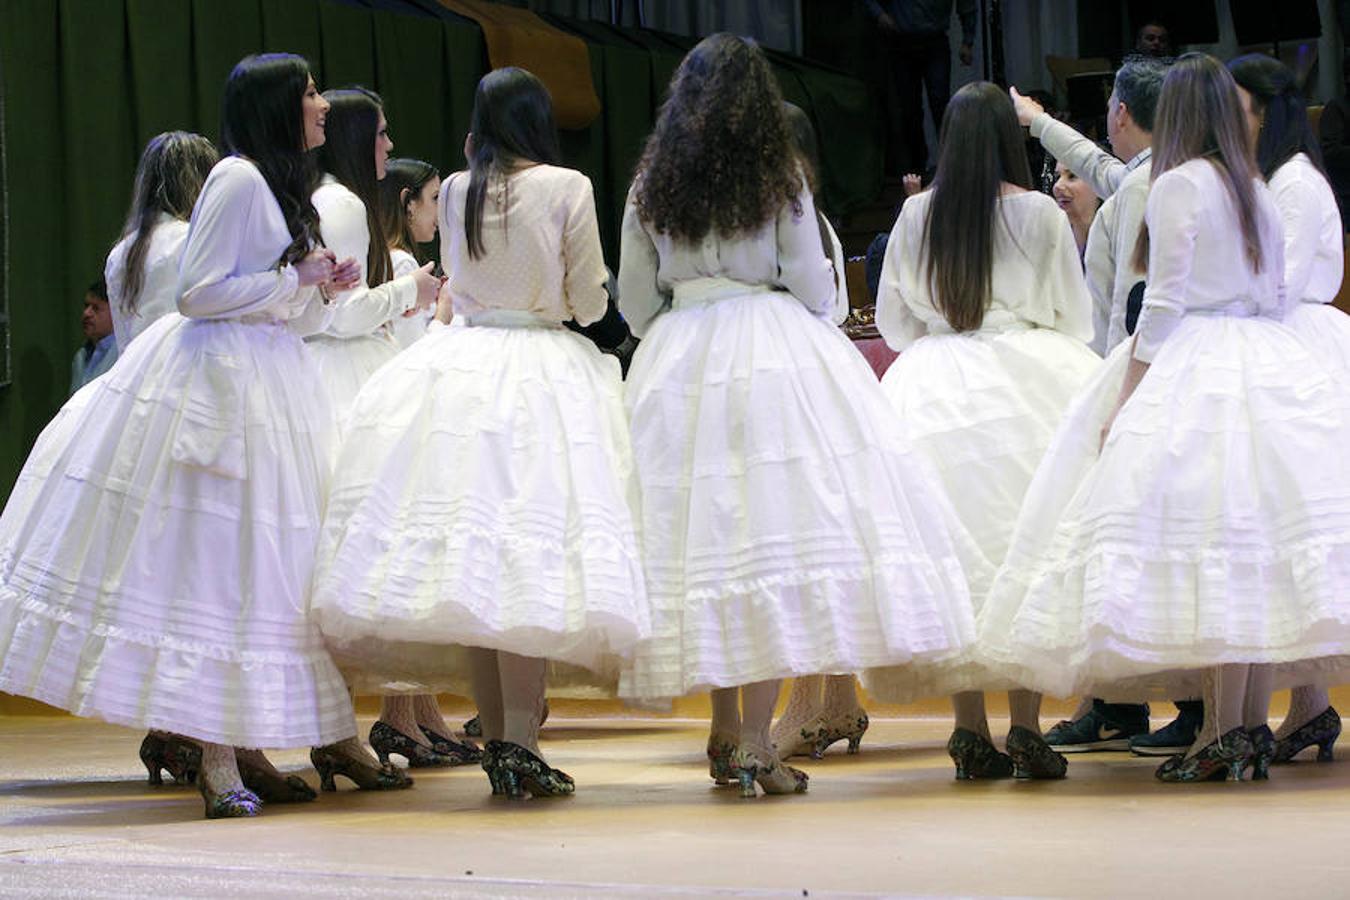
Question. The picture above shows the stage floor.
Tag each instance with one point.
(79, 820)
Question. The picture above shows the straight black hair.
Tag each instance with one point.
(348, 154)
(512, 123)
(1285, 128)
(262, 119)
(400, 175)
(981, 147)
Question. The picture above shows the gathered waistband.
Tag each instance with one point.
(1243, 308)
(702, 291)
(994, 322)
(508, 318)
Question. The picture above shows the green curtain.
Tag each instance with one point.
(88, 82)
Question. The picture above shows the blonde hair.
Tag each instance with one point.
(1200, 117)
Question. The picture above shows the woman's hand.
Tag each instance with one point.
(913, 184)
(346, 275)
(445, 311)
(316, 267)
(428, 286)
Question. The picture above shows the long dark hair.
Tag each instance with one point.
(348, 154)
(805, 143)
(512, 123)
(720, 158)
(1200, 117)
(400, 175)
(170, 175)
(980, 148)
(1285, 127)
(262, 119)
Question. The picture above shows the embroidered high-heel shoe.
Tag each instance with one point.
(366, 776)
(474, 727)
(756, 765)
(386, 739)
(165, 752)
(1263, 752)
(977, 758)
(461, 753)
(1032, 757)
(720, 750)
(849, 726)
(514, 771)
(269, 785)
(1322, 730)
(237, 804)
(1225, 758)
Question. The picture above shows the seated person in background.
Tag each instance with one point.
(99, 350)
(1153, 39)
(872, 261)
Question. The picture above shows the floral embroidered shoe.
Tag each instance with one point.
(329, 762)
(720, 751)
(238, 804)
(515, 772)
(386, 739)
(1323, 731)
(1225, 758)
(269, 785)
(462, 753)
(976, 758)
(756, 765)
(162, 751)
(1032, 757)
(1263, 752)
(849, 726)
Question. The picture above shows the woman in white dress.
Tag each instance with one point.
(787, 528)
(358, 340)
(1289, 157)
(821, 710)
(142, 269)
(410, 194)
(983, 296)
(1191, 513)
(481, 512)
(156, 552)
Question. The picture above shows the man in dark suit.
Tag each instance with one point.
(919, 59)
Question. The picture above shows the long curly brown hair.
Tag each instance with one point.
(721, 157)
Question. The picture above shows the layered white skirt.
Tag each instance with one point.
(788, 527)
(980, 408)
(346, 364)
(156, 551)
(1325, 329)
(484, 497)
(1212, 527)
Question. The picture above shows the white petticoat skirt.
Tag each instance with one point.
(1212, 528)
(980, 408)
(483, 498)
(156, 551)
(1325, 329)
(788, 528)
(346, 364)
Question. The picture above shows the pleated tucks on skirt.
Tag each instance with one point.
(788, 527)
(1213, 526)
(980, 408)
(156, 551)
(484, 497)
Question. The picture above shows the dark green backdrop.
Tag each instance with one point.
(87, 82)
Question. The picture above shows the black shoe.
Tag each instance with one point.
(461, 753)
(1323, 730)
(514, 771)
(976, 758)
(1176, 736)
(1032, 756)
(386, 739)
(473, 727)
(1107, 726)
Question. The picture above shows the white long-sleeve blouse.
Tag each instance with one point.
(159, 287)
(785, 253)
(1036, 277)
(232, 257)
(1314, 245)
(1198, 260)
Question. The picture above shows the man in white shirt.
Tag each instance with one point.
(1122, 181)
